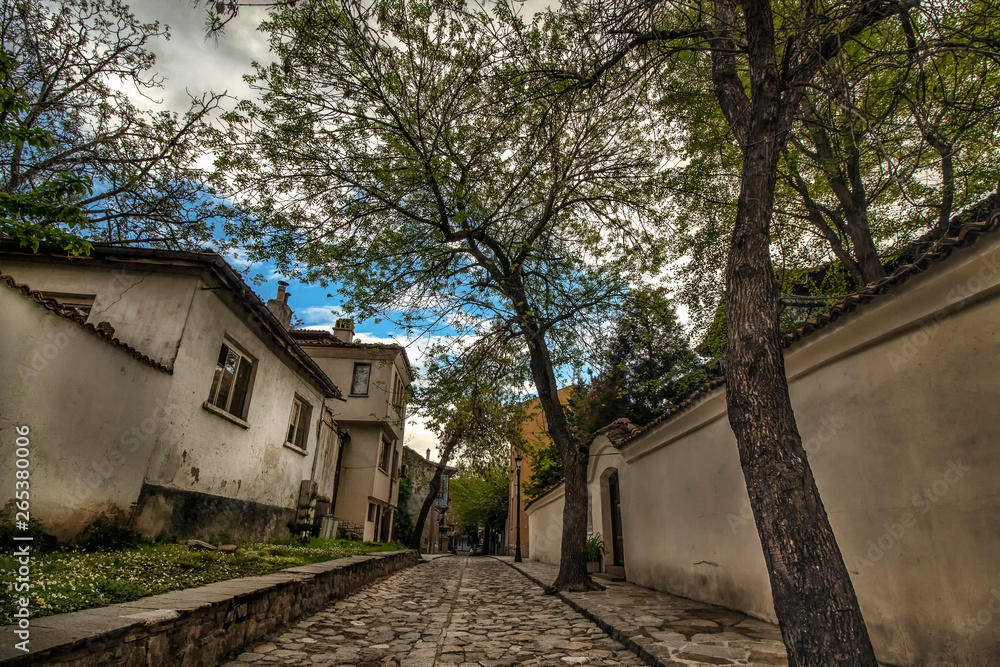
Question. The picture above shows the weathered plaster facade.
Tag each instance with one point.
(373, 417)
(178, 465)
(896, 404)
(52, 369)
(438, 528)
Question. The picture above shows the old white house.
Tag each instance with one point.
(378, 379)
(159, 389)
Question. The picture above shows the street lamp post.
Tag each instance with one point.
(517, 543)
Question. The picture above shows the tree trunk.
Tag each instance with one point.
(814, 599)
(816, 217)
(850, 192)
(947, 192)
(573, 573)
(855, 205)
(432, 491)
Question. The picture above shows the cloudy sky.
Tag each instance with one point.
(190, 63)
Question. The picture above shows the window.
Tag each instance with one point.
(383, 456)
(398, 393)
(298, 423)
(371, 511)
(231, 384)
(395, 464)
(359, 383)
(78, 303)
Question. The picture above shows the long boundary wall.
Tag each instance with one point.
(897, 406)
(197, 627)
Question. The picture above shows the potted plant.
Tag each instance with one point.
(595, 552)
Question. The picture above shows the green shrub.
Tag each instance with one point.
(107, 535)
(595, 548)
(40, 539)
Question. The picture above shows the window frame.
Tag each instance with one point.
(354, 378)
(383, 455)
(217, 380)
(81, 304)
(300, 434)
(398, 396)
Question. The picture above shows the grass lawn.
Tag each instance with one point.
(72, 580)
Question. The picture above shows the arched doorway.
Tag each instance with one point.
(611, 520)
(617, 542)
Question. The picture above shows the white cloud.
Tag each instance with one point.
(419, 438)
(190, 61)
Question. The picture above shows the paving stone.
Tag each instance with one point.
(479, 612)
(475, 612)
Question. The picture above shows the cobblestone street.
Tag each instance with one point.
(472, 612)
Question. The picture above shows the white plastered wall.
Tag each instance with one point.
(93, 411)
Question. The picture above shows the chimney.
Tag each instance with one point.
(343, 330)
(279, 305)
(428, 453)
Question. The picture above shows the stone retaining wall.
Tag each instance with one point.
(198, 626)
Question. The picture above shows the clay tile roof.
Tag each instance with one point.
(80, 320)
(220, 269)
(326, 339)
(936, 252)
(620, 430)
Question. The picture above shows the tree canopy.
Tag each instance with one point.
(399, 149)
(860, 176)
(128, 175)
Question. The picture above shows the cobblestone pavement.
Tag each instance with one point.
(469, 612)
(672, 630)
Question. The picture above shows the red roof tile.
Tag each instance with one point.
(80, 320)
(937, 253)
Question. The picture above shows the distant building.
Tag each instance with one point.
(439, 528)
(535, 433)
(378, 379)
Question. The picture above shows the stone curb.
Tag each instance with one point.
(617, 634)
(196, 627)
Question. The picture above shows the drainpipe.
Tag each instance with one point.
(319, 429)
(345, 439)
(388, 500)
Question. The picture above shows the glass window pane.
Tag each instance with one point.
(226, 381)
(293, 422)
(305, 414)
(219, 366)
(241, 387)
(362, 373)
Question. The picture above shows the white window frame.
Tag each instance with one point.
(242, 358)
(297, 433)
